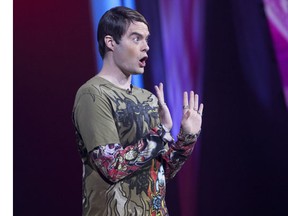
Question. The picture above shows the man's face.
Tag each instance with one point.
(130, 54)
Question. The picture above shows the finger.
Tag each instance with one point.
(185, 102)
(161, 89)
(187, 114)
(196, 102)
(185, 99)
(157, 91)
(161, 86)
(159, 94)
(191, 100)
(200, 111)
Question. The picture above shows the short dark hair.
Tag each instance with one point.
(115, 22)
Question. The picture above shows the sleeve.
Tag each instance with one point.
(94, 122)
(93, 119)
(116, 162)
(176, 155)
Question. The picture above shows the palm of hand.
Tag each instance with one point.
(192, 113)
(164, 113)
(191, 122)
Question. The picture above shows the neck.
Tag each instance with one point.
(115, 75)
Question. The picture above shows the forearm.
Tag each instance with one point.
(116, 162)
(175, 157)
(191, 123)
(178, 153)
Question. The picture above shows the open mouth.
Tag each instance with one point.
(143, 61)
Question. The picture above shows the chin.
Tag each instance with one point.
(138, 72)
(141, 71)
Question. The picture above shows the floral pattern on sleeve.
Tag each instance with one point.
(116, 162)
(175, 157)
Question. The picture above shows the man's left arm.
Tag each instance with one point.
(191, 122)
(178, 152)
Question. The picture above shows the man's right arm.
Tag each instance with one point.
(94, 122)
(116, 162)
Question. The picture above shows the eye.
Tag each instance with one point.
(136, 39)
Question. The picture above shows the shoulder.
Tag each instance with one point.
(91, 91)
(92, 86)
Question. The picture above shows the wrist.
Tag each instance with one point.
(188, 138)
(164, 133)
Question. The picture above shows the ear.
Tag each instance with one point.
(109, 42)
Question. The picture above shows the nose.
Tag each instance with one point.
(145, 46)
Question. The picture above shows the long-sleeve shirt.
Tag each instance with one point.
(126, 161)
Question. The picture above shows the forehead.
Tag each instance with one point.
(138, 27)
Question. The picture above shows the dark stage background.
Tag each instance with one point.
(241, 160)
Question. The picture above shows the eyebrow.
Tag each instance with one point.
(137, 33)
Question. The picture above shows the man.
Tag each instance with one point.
(123, 131)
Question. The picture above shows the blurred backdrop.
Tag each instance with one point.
(233, 53)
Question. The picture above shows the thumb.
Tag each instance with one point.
(187, 114)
